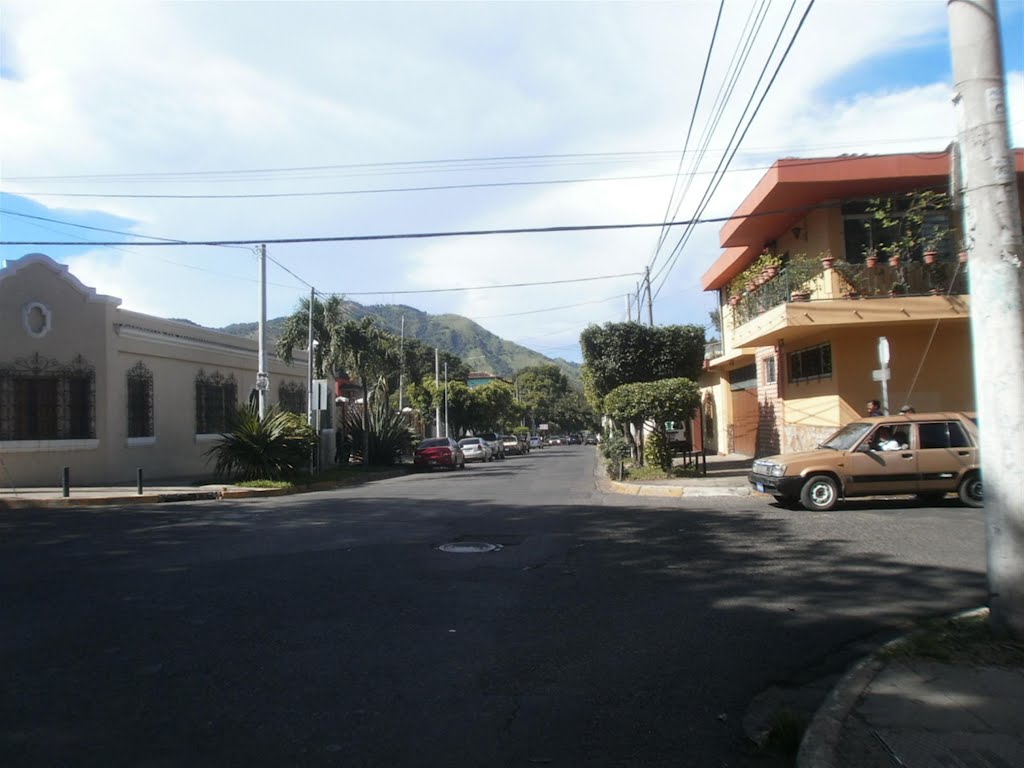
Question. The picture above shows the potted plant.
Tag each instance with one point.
(898, 288)
(770, 265)
(800, 270)
(827, 259)
(871, 258)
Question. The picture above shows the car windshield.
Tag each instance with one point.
(847, 437)
(434, 442)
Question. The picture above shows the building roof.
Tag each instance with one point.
(792, 187)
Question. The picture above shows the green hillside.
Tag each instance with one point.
(481, 349)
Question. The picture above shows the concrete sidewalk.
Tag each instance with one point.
(726, 476)
(919, 713)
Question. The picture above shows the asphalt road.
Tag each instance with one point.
(329, 629)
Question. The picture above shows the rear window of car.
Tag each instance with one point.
(942, 434)
(470, 441)
(434, 442)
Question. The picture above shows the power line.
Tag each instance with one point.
(440, 234)
(485, 287)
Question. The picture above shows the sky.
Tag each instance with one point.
(200, 121)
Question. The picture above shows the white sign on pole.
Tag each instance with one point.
(883, 374)
(542, 427)
(883, 351)
(320, 394)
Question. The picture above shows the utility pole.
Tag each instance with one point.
(446, 434)
(629, 308)
(262, 377)
(437, 386)
(309, 381)
(992, 237)
(650, 301)
(638, 303)
(401, 367)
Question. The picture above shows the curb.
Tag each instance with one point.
(818, 746)
(162, 498)
(669, 491)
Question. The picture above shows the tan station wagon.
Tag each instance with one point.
(924, 454)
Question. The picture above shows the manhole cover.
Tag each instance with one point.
(469, 547)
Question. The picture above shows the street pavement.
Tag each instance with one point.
(329, 629)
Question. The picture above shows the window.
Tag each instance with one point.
(291, 396)
(769, 370)
(861, 230)
(942, 435)
(43, 399)
(743, 378)
(140, 401)
(811, 363)
(216, 401)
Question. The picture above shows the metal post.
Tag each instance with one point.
(446, 399)
(309, 381)
(138, 479)
(992, 235)
(65, 481)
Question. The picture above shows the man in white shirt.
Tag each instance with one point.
(884, 440)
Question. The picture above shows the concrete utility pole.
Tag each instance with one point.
(650, 301)
(262, 377)
(992, 235)
(401, 368)
(629, 308)
(309, 363)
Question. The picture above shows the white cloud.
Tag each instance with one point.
(186, 87)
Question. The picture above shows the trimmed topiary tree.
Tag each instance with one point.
(654, 403)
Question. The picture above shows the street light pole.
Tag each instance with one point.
(446, 399)
(262, 377)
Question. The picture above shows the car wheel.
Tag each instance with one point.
(819, 494)
(931, 497)
(970, 490)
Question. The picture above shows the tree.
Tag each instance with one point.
(371, 353)
(328, 317)
(654, 402)
(624, 353)
(540, 388)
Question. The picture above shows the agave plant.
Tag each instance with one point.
(387, 437)
(273, 448)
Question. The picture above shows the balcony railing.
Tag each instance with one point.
(847, 280)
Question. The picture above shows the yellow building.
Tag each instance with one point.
(799, 346)
(87, 385)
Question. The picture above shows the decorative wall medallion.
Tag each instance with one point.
(36, 318)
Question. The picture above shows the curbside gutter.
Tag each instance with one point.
(693, 489)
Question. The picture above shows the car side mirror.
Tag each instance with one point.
(864, 448)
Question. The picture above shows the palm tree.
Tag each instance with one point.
(328, 317)
(371, 353)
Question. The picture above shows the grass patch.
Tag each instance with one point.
(265, 484)
(965, 639)
(639, 474)
(785, 732)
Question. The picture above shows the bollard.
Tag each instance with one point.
(65, 479)
(138, 479)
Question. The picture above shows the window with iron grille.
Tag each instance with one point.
(291, 396)
(140, 401)
(216, 401)
(769, 370)
(811, 363)
(44, 399)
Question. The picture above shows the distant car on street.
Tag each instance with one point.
(511, 445)
(536, 441)
(438, 452)
(495, 441)
(475, 449)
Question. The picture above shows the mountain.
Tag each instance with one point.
(478, 347)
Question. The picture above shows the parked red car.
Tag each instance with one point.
(439, 452)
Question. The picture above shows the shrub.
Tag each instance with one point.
(389, 435)
(657, 452)
(274, 448)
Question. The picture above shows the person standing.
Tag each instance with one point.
(874, 408)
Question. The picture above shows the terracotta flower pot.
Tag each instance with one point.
(930, 256)
(750, 286)
(894, 261)
(771, 272)
(871, 262)
(827, 262)
(734, 300)
(800, 296)
(963, 257)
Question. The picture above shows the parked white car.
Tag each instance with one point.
(536, 441)
(476, 449)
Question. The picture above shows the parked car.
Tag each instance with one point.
(536, 441)
(574, 440)
(556, 440)
(476, 449)
(494, 440)
(438, 452)
(511, 445)
(524, 444)
(590, 440)
(924, 454)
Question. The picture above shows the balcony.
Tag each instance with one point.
(910, 291)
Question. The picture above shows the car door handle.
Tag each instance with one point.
(963, 453)
(907, 455)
